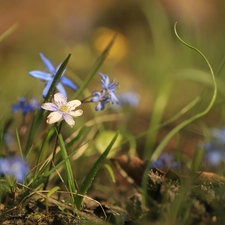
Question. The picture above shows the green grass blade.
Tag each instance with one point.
(92, 173)
(57, 78)
(69, 171)
(38, 115)
(19, 143)
(197, 159)
(95, 68)
(110, 171)
(157, 114)
(172, 119)
(9, 31)
(41, 150)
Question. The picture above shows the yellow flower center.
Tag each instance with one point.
(64, 108)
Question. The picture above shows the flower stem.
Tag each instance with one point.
(85, 100)
(53, 154)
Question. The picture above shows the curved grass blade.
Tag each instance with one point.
(163, 143)
(161, 146)
(91, 175)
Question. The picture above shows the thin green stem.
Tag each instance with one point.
(54, 153)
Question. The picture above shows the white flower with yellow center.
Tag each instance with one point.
(61, 109)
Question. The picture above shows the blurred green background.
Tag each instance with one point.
(146, 57)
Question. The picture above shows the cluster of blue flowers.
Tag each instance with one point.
(107, 95)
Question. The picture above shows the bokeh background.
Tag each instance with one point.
(146, 58)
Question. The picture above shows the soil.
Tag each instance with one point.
(170, 199)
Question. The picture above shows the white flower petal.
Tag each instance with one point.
(59, 97)
(73, 104)
(62, 110)
(76, 113)
(54, 117)
(69, 119)
(61, 89)
(49, 106)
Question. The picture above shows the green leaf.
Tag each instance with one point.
(52, 191)
(110, 171)
(57, 78)
(92, 173)
(104, 138)
(69, 171)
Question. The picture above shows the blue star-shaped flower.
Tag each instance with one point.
(109, 87)
(48, 77)
(100, 98)
(24, 106)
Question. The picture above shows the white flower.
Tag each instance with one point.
(61, 109)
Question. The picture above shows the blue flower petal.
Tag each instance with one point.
(46, 89)
(61, 89)
(15, 108)
(66, 81)
(14, 166)
(26, 109)
(48, 64)
(129, 98)
(114, 98)
(104, 81)
(99, 107)
(41, 75)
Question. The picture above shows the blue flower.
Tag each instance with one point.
(165, 161)
(129, 98)
(24, 106)
(14, 166)
(109, 87)
(48, 77)
(101, 99)
(215, 147)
